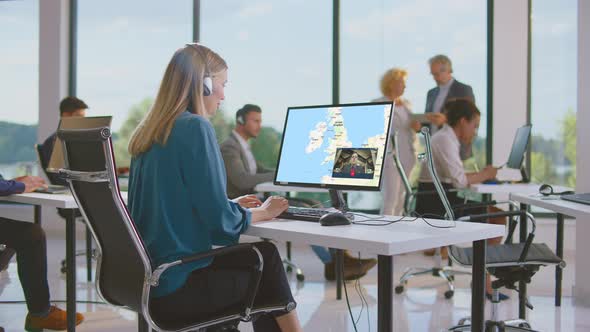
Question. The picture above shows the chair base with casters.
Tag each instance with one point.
(504, 262)
(445, 272)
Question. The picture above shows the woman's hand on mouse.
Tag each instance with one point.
(271, 208)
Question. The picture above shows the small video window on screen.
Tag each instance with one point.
(355, 163)
(335, 146)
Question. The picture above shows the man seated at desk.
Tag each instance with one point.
(461, 128)
(28, 241)
(68, 107)
(244, 173)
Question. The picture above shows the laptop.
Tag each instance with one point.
(57, 156)
(516, 157)
(578, 198)
(53, 189)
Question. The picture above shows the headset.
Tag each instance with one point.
(240, 119)
(207, 80)
(240, 116)
(547, 190)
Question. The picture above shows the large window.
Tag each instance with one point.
(19, 86)
(378, 35)
(123, 50)
(554, 91)
(279, 55)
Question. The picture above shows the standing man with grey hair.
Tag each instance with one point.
(448, 88)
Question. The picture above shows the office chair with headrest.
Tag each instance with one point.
(51, 178)
(509, 263)
(445, 272)
(125, 275)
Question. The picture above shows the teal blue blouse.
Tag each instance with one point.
(178, 200)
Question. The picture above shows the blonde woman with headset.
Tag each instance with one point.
(178, 200)
(392, 85)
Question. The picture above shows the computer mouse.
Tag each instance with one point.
(334, 219)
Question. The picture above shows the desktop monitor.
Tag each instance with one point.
(335, 146)
(521, 140)
(56, 160)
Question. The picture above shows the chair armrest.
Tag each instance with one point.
(254, 281)
(473, 205)
(155, 277)
(486, 216)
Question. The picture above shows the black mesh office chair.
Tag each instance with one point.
(509, 263)
(53, 179)
(125, 274)
(438, 270)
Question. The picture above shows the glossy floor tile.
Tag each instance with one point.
(421, 308)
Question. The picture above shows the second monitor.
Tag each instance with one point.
(335, 146)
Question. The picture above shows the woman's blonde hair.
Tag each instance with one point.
(181, 89)
(393, 74)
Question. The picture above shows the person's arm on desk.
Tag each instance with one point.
(23, 184)
(487, 173)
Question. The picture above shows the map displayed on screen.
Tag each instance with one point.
(335, 145)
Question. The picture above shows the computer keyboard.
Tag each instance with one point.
(308, 214)
(578, 198)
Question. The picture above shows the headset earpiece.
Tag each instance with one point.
(207, 85)
(240, 119)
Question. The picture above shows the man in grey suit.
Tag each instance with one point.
(448, 88)
(243, 171)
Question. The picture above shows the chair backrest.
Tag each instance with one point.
(423, 157)
(402, 173)
(450, 215)
(124, 263)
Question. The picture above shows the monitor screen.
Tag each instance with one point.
(521, 140)
(334, 146)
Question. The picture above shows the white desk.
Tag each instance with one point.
(508, 188)
(67, 202)
(554, 204)
(562, 208)
(386, 241)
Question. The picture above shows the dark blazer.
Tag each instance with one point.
(239, 180)
(457, 90)
(358, 169)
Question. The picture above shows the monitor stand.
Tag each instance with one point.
(338, 201)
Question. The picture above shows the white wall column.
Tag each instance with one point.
(53, 63)
(582, 286)
(53, 80)
(510, 74)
